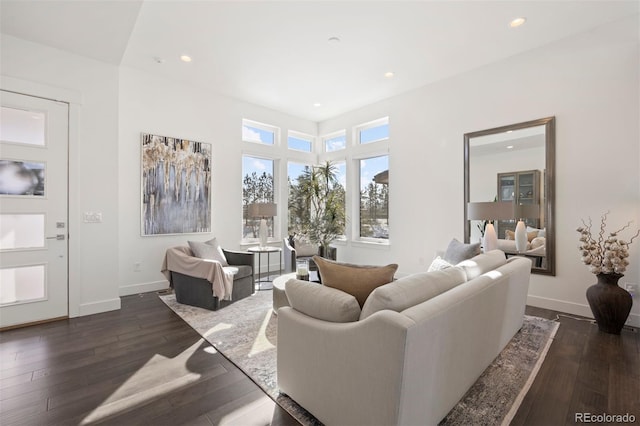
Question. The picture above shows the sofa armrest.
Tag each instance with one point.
(339, 359)
(235, 257)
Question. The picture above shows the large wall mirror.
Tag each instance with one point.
(513, 166)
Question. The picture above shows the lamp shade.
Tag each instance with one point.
(499, 210)
(263, 209)
(526, 211)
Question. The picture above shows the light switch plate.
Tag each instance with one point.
(92, 217)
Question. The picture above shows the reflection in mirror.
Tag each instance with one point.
(514, 164)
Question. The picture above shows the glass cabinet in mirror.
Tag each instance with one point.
(514, 164)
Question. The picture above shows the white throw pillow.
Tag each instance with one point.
(321, 302)
(208, 250)
(439, 264)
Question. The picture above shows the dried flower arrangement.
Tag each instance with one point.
(606, 255)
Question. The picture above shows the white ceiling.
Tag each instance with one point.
(277, 54)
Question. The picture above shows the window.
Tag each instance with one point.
(335, 142)
(374, 197)
(374, 131)
(316, 192)
(300, 142)
(298, 208)
(257, 187)
(259, 133)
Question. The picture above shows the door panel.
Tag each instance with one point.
(33, 209)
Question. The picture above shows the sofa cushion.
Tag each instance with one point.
(511, 235)
(357, 280)
(483, 263)
(321, 302)
(411, 290)
(457, 252)
(239, 271)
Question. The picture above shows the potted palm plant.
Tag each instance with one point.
(324, 196)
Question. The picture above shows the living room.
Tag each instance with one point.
(589, 81)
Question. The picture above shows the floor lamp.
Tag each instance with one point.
(263, 211)
(497, 210)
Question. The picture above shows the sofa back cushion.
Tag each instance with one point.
(357, 280)
(323, 303)
(483, 263)
(412, 290)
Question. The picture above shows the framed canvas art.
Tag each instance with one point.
(176, 186)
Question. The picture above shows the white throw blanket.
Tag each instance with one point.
(180, 259)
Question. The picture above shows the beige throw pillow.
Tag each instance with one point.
(323, 303)
(357, 280)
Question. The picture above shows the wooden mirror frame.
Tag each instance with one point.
(549, 182)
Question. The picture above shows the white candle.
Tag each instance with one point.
(302, 270)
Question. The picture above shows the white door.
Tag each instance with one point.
(33, 209)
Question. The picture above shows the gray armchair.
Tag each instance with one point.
(190, 277)
(290, 255)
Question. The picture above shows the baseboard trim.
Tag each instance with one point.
(99, 307)
(128, 290)
(573, 308)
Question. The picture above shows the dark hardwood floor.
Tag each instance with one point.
(144, 365)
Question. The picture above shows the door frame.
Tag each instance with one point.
(74, 99)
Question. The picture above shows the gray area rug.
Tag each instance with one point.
(245, 333)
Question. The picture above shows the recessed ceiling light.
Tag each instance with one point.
(334, 39)
(510, 147)
(389, 74)
(517, 22)
(317, 104)
(185, 58)
(158, 60)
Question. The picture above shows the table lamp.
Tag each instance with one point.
(263, 211)
(497, 210)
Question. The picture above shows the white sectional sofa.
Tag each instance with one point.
(412, 351)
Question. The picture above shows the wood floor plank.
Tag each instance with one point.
(144, 365)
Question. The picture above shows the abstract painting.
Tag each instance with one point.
(176, 186)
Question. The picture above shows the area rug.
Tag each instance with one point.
(245, 333)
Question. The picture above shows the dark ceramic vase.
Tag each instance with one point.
(609, 303)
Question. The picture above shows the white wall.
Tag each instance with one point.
(153, 104)
(93, 164)
(588, 82)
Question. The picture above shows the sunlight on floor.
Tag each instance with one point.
(218, 327)
(158, 376)
(258, 412)
(262, 343)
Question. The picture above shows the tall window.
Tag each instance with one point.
(257, 187)
(298, 207)
(326, 184)
(374, 197)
